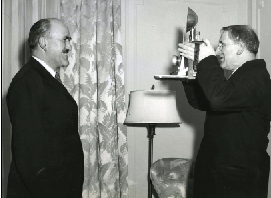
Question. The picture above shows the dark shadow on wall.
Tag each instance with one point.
(24, 53)
(188, 114)
(6, 144)
(6, 128)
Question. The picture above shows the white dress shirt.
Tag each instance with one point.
(48, 68)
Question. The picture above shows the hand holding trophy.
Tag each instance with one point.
(187, 50)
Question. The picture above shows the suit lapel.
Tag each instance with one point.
(48, 78)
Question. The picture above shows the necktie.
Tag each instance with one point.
(58, 77)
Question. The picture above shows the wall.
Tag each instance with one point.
(151, 31)
(6, 78)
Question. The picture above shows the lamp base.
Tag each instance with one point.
(151, 133)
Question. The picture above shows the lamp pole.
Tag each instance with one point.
(151, 133)
(142, 110)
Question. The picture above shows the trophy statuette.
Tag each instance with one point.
(186, 71)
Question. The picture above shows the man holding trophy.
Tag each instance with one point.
(232, 161)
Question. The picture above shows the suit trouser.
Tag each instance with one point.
(230, 182)
(63, 181)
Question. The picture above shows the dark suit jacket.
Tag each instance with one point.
(232, 160)
(46, 148)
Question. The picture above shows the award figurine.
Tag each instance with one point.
(186, 71)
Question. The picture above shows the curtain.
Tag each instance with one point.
(95, 78)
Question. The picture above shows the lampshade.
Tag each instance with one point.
(152, 106)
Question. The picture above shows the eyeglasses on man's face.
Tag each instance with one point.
(64, 41)
(222, 46)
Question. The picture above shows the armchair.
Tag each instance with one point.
(173, 177)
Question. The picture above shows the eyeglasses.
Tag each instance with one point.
(62, 40)
(223, 45)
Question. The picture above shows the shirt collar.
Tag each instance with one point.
(48, 68)
(234, 70)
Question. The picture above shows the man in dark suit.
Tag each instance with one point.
(232, 161)
(47, 155)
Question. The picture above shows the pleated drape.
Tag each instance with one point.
(95, 78)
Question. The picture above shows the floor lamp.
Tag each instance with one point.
(152, 108)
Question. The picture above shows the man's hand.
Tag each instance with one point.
(187, 50)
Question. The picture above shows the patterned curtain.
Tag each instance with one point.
(95, 78)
